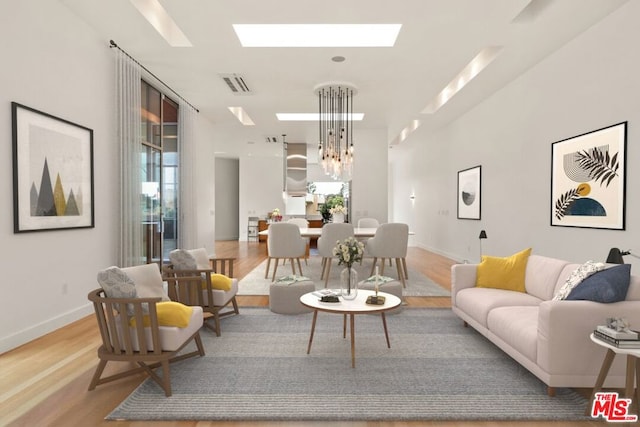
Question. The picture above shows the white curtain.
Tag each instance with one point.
(129, 124)
(188, 223)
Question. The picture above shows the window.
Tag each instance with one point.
(159, 173)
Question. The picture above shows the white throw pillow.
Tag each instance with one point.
(202, 258)
(148, 280)
(577, 276)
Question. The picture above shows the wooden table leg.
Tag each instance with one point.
(344, 326)
(629, 384)
(386, 333)
(313, 328)
(353, 340)
(604, 370)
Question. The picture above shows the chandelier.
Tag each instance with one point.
(335, 130)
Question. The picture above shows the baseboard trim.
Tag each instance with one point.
(36, 331)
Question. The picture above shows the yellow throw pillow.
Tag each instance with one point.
(503, 273)
(221, 282)
(170, 313)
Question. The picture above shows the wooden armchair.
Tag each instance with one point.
(149, 346)
(189, 277)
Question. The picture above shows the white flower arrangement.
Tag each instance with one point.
(338, 209)
(275, 215)
(349, 251)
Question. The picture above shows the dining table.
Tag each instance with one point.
(317, 232)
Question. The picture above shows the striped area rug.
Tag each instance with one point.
(435, 370)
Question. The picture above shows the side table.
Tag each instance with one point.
(633, 367)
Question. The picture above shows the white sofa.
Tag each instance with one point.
(549, 338)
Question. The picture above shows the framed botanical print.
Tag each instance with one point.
(588, 179)
(469, 193)
(52, 172)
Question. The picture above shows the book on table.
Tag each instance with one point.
(617, 342)
(621, 335)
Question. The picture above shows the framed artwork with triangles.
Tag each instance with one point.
(52, 172)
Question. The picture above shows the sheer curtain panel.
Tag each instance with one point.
(188, 223)
(129, 123)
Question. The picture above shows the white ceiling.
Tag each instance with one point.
(438, 38)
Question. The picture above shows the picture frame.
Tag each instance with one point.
(52, 172)
(588, 179)
(470, 193)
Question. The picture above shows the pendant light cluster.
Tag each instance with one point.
(335, 131)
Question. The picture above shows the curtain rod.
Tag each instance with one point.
(113, 44)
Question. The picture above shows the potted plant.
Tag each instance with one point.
(330, 201)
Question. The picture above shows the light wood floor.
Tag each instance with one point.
(44, 382)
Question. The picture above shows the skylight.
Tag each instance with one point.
(468, 73)
(242, 116)
(309, 117)
(317, 35)
(158, 17)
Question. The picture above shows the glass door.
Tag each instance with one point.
(159, 174)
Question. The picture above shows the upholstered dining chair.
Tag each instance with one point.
(284, 242)
(303, 223)
(368, 223)
(390, 242)
(139, 324)
(194, 278)
(331, 234)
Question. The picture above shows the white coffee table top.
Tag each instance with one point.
(355, 306)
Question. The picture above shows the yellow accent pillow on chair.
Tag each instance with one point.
(221, 282)
(170, 313)
(503, 273)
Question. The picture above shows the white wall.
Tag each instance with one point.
(260, 188)
(261, 181)
(54, 63)
(588, 84)
(227, 199)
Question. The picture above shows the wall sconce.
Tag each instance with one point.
(483, 235)
(412, 198)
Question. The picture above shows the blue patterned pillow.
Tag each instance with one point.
(606, 286)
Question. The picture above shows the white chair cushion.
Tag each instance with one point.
(221, 297)
(171, 337)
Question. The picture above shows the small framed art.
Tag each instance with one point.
(52, 172)
(469, 193)
(588, 175)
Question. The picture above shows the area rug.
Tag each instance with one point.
(254, 282)
(436, 369)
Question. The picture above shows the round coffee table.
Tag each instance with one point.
(351, 308)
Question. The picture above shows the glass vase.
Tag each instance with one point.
(349, 283)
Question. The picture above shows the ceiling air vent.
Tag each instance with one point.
(236, 83)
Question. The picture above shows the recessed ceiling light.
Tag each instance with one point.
(309, 117)
(158, 17)
(338, 59)
(468, 73)
(317, 35)
(241, 115)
